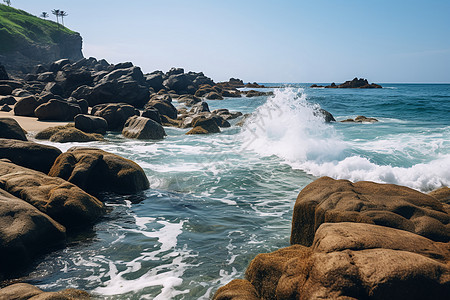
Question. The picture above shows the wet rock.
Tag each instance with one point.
(199, 108)
(153, 114)
(95, 171)
(204, 126)
(356, 83)
(238, 289)
(142, 128)
(29, 154)
(91, 124)
(19, 92)
(360, 119)
(164, 108)
(442, 194)
(328, 117)
(22, 291)
(9, 100)
(253, 93)
(155, 81)
(59, 199)
(213, 96)
(116, 114)
(46, 77)
(10, 129)
(57, 110)
(57, 65)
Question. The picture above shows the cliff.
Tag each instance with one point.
(26, 40)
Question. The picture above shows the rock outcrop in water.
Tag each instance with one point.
(24, 291)
(355, 83)
(356, 241)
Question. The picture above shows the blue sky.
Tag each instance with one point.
(268, 41)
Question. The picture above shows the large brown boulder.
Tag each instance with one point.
(142, 128)
(61, 200)
(165, 108)
(24, 233)
(91, 124)
(66, 134)
(26, 106)
(29, 154)
(329, 201)
(10, 129)
(116, 114)
(442, 194)
(351, 261)
(57, 110)
(24, 291)
(95, 170)
(204, 125)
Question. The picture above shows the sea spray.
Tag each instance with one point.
(289, 126)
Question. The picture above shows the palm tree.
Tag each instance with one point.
(63, 14)
(56, 12)
(8, 2)
(44, 15)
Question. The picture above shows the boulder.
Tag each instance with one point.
(142, 128)
(164, 108)
(204, 125)
(116, 114)
(356, 83)
(131, 73)
(238, 289)
(226, 114)
(26, 106)
(56, 88)
(22, 291)
(328, 117)
(66, 134)
(29, 154)
(5, 90)
(442, 194)
(25, 232)
(213, 96)
(328, 201)
(3, 74)
(177, 82)
(97, 171)
(6, 108)
(9, 100)
(46, 77)
(83, 104)
(61, 200)
(91, 124)
(57, 110)
(153, 114)
(174, 71)
(231, 94)
(199, 108)
(57, 65)
(19, 92)
(10, 129)
(351, 261)
(155, 81)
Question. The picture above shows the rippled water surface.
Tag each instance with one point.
(218, 200)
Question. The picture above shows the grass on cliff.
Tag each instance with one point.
(18, 26)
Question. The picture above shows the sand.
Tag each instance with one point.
(30, 124)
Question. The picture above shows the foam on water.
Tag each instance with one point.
(288, 126)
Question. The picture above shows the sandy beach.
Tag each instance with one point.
(31, 124)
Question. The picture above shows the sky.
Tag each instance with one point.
(318, 41)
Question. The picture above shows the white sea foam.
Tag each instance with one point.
(288, 127)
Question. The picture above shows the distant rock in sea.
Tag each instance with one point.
(356, 83)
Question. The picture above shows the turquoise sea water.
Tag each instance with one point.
(218, 200)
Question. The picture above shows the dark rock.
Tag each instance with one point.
(164, 108)
(44, 97)
(355, 84)
(46, 77)
(204, 126)
(14, 84)
(179, 83)
(29, 154)
(59, 199)
(9, 100)
(83, 104)
(55, 88)
(5, 107)
(360, 119)
(153, 114)
(65, 134)
(10, 129)
(316, 86)
(38, 69)
(123, 65)
(25, 232)
(231, 94)
(5, 90)
(142, 128)
(226, 114)
(174, 71)
(155, 81)
(30, 77)
(254, 85)
(57, 110)
(70, 78)
(21, 93)
(326, 115)
(91, 124)
(199, 107)
(95, 170)
(3, 73)
(329, 200)
(116, 114)
(57, 65)
(253, 93)
(22, 291)
(189, 100)
(131, 73)
(26, 106)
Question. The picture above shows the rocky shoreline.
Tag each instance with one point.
(358, 240)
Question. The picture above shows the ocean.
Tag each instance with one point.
(218, 200)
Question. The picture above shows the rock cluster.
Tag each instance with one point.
(356, 241)
(360, 119)
(46, 195)
(355, 83)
